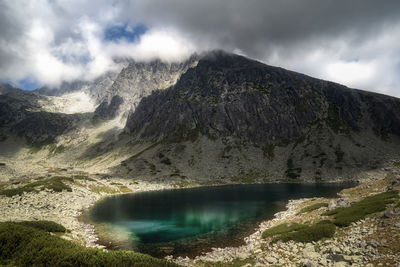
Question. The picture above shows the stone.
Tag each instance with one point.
(271, 260)
(310, 255)
(340, 264)
(388, 214)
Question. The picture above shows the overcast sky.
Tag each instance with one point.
(353, 42)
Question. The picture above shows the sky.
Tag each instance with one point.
(352, 42)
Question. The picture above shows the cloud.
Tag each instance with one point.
(351, 42)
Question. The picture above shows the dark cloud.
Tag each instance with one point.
(257, 26)
(354, 42)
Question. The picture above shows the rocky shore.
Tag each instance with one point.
(359, 244)
(66, 207)
(373, 241)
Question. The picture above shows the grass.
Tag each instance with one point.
(23, 245)
(314, 232)
(233, 263)
(102, 189)
(55, 183)
(301, 232)
(124, 189)
(282, 228)
(313, 207)
(359, 210)
(54, 149)
(47, 226)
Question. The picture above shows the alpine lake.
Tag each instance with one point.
(187, 222)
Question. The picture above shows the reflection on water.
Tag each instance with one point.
(185, 218)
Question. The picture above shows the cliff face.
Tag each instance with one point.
(140, 79)
(229, 95)
(235, 102)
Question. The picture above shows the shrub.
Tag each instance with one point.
(56, 184)
(282, 228)
(315, 232)
(47, 226)
(83, 177)
(359, 210)
(26, 246)
(313, 207)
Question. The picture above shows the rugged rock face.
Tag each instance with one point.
(139, 79)
(243, 106)
(228, 95)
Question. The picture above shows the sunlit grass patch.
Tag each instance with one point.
(102, 189)
(313, 207)
(124, 189)
(359, 210)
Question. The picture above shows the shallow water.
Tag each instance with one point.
(190, 221)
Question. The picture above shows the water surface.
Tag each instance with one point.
(190, 221)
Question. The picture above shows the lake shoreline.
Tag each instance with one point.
(66, 207)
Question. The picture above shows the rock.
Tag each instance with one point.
(340, 264)
(373, 243)
(271, 260)
(310, 255)
(311, 264)
(332, 205)
(337, 257)
(388, 214)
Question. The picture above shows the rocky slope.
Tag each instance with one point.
(213, 116)
(232, 116)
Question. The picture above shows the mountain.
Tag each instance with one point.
(213, 116)
(234, 117)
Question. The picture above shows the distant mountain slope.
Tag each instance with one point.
(258, 116)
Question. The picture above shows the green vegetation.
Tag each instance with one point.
(102, 189)
(301, 232)
(54, 149)
(359, 210)
(234, 263)
(313, 207)
(282, 228)
(56, 184)
(47, 226)
(124, 189)
(23, 245)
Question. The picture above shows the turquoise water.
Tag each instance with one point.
(187, 221)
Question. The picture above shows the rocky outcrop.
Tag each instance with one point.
(140, 79)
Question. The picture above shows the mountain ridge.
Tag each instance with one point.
(215, 116)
